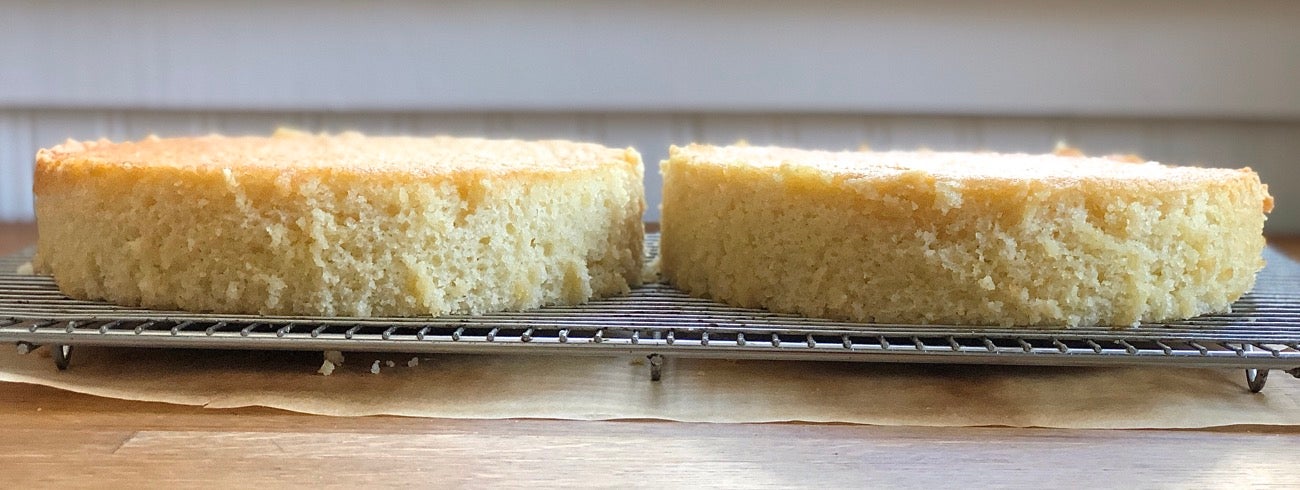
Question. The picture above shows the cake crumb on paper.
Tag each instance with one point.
(650, 271)
(326, 368)
(390, 363)
(415, 361)
(26, 269)
(374, 368)
(334, 356)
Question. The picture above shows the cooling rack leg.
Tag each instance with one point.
(1255, 379)
(656, 366)
(61, 354)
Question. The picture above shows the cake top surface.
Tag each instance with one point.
(1063, 166)
(351, 152)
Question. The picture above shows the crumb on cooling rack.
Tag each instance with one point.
(25, 269)
(374, 368)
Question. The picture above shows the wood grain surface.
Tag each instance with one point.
(53, 438)
(56, 439)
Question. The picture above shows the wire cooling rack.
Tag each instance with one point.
(1261, 333)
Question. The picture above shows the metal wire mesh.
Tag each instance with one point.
(1262, 331)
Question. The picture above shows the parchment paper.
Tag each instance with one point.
(470, 386)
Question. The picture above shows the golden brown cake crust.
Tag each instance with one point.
(999, 170)
(289, 153)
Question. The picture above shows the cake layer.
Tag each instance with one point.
(342, 225)
(959, 238)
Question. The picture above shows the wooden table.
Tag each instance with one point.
(54, 438)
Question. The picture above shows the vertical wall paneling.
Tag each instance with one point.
(1101, 58)
(15, 166)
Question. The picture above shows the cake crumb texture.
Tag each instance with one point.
(960, 238)
(339, 225)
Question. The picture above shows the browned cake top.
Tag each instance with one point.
(290, 151)
(1046, 169)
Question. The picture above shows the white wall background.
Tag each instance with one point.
(1180, 81)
